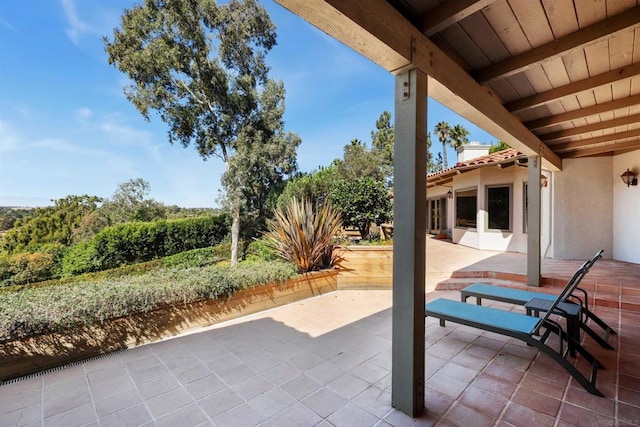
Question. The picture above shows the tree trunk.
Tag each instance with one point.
(235, 234)
(444, 155)
(235, 214)
(364, 229)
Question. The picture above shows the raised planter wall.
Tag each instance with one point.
(365, 267)
(20, 358)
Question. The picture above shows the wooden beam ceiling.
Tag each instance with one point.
(583, 112)
(391, 34)
(590, 83)
(603, 149)
(595, 127)
(583, 143)
(379, 29)
(592, 34)
(448, 13)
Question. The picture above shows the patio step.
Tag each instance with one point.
(607, 296)
(458, 283)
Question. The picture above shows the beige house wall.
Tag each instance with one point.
(626, 209)
(586, 207)
(583, 208)
(481, 237)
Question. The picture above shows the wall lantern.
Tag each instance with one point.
(543, 180)
(629, 178)
(450, 194)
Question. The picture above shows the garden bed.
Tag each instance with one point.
(38, 353)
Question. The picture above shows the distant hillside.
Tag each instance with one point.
(10, 214)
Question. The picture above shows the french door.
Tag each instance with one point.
(437, 211)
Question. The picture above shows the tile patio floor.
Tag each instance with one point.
(326, 361)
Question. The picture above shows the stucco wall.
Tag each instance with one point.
(514, 240)
(626, 209)
(546, 220)
(583, 208)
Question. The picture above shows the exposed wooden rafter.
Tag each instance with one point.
(608, 124)
(584, 143)
(578, 40)
(583, 112)
(541, 98)
(448, 13)
(602, 149)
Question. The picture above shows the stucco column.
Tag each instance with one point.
(409, 223)
(533, 220)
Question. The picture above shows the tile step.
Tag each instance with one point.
(458, 283)
(599, 299)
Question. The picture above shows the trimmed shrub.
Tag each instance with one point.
(194, 258)
(35, 311)
(138, 242)
(260, 250)
(80, 258)
(198, 257)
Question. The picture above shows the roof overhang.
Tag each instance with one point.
(521, 73)
(495, 160)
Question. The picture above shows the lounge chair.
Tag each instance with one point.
(531, 330)
(521, 297)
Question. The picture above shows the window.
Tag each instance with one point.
(526, 207)
(466, 208)
(499, 208)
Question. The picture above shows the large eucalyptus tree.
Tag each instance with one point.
(201, 67)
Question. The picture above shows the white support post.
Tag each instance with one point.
(534, 164)
(409, 222)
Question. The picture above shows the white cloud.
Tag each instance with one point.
(120, 134)
(64, 146)
(83, 113)
(8, 138)
(77, 28)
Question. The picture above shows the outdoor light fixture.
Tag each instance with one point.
(450, 194)
(543, 180)
(629, 178)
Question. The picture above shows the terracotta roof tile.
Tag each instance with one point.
(497, 157)
(493, 158)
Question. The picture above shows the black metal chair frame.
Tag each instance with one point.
(536, 334)
(526, 296)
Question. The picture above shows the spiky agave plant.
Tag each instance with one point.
(304, 234)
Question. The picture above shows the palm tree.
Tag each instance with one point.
(459, 136)
(444, 133)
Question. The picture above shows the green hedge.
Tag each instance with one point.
(42, 310)
(259, 250)
(193, 258)
(143, 241)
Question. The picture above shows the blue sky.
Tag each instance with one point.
(67, 128)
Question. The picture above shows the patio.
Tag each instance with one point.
(327, 361)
